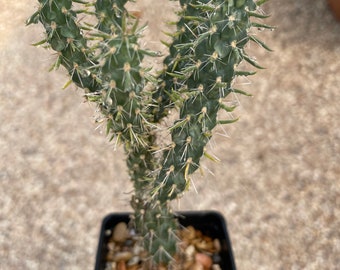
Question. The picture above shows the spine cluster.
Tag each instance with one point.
(105, 59)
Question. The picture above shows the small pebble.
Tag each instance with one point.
(190, 252)
(205, 245)
(188, 233)
(196, 266)
(133, 267)
(111, 245)
(110, 256)
(121, 266)
(122, 256)
(204, 260)
(198, 252)
(133, 261)
(120, 232)
(137, 249)
(216, 267)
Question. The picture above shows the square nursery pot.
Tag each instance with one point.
(210, 223)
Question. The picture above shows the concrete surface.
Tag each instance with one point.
(277, 183)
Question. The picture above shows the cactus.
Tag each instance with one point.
(105, 59)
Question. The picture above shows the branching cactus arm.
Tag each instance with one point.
(203, 62)
(106, 63)
(198, 75)
(64, 35)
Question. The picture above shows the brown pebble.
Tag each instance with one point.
(133, 267)
(111, 245)
(188, 234)
(196, 266)
(205, 245)
(123, 256)
(204, 260)
(110, 256)
(133, 261)
(121, 265)
(120, 232)
(216, 267)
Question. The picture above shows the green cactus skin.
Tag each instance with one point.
(105, 59)
(208, 47)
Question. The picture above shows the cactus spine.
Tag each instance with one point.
(105, 60)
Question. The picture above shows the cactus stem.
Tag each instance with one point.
(105, 59)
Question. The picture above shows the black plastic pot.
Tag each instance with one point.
(210, 223)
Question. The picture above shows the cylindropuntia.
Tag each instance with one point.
(105, 59)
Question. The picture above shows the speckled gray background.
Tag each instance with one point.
(277, 183)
